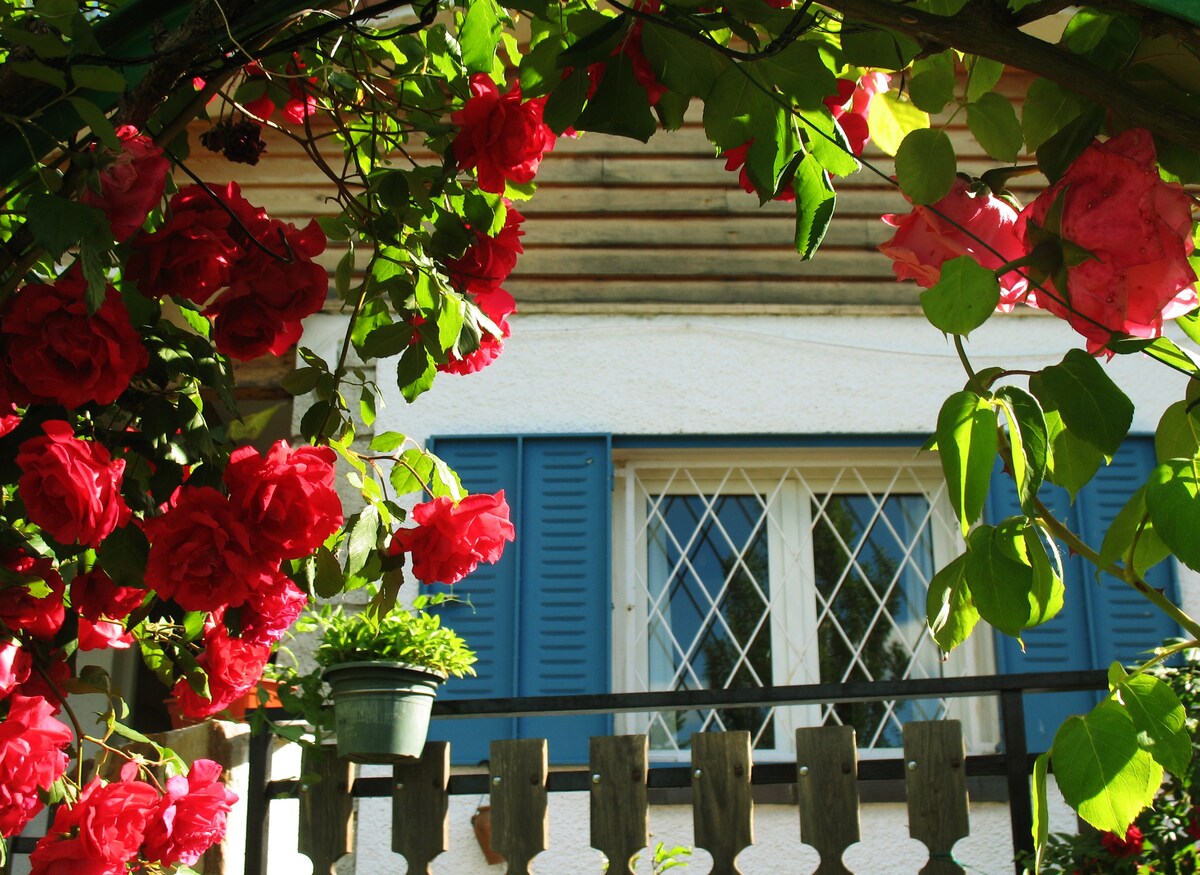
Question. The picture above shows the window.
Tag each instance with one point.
(743, 569)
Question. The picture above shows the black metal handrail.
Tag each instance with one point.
(1014, 762)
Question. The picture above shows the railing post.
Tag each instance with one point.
(1016, 764)
(258, 807)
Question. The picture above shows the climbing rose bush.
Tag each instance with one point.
(501, 136)
(1126, 236)
(452, 538)
(131, 184)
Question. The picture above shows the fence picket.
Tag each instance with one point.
(620, 815)
(722, 810)
(421, 807)
(326, 808)
(936, 784)
(518, 790)
(827, 789)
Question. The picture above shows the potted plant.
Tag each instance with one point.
(383, 673)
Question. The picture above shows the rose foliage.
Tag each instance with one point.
(137, 510)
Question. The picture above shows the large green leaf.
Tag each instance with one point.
(1047, 109)
(891, 117)
(58, 224)
(680, 62)
(801, 72)
(1159, 718)
(1013, 584)
(620, 105)
(773, 153)
(925, 165)
(993, 121)
(815, 202)
(933, 81)
(949, 610)
(567, 100)
(1041, 807)
(735, 101)
(1133, 522)
(827, 142)
(1178, 432)
(1173, 499)
(1101, 770)
(1029, 440)
(479, 34)
(966, 439)
(982, 75)
(1089, 402)
(1073, 461)
(963, 298)
(1184, 9)
(878, 48)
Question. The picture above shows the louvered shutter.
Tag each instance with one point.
(489, 622)
(540, 618)
(1098, 623)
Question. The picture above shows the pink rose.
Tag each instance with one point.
(851, 105)
(71, 487)
(191, 817)
(113, 818)
(132, 185)
(1137, 229)
(32, 757)
(287, 499)
(15, 666)
(451, 539)
(201, 555)
(500, 136)
(735, 158)
(56, 353)
(489, 260)
(233, 666)
(924, 240)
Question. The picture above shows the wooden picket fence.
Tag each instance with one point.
(723, 812)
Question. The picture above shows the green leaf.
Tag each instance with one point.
(993, 122)
(123, 555)
(479, 34)
(1161, 349)
(1013, 585)
(931, 91)
(1041, 807)
(1034, 444)
(1190, 323)
(415, 372)
(1178, 432)
(827, 142)
(363, 535)
(1059, 152)
(1089, 402)
(950, 611)
(815, 204)
(387, 340)
(1073, 461)
(1101, 770)
(1133, 522)
(891, 117)
(58, 224)
(966, 436)
(1173, 500)
(1048, 108)
(877, 48)
(97, 121)
(963, 298)
(567, 100)
(620, 105)
(735, 101)
(983, 74)
(801, 72)
(772, 154)
(925, 166)
(302, 381)
(680, 62)
(1159, 718)
(327, 573)
(40, 71)
(97, 78)
(1182, 9)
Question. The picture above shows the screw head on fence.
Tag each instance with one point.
(496, 780)
(697, 773)
(912, 765)
(804, 771)
(596, 779)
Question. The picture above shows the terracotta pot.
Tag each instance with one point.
(237, 708)
(481, 820)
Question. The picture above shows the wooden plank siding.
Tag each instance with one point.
(618, 224)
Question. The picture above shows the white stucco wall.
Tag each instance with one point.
(747, 373)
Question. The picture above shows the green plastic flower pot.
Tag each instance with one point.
(381, 709)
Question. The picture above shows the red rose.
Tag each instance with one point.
(32, 757)
(851, 105)
(271, 609)
(246, 327)
(501, 137)
(57, 354)
(286, 499)
(489, 260)
(1137, 230)
(35, 606)
(736, 157)
(71, 487)
(15, 666)
(113, 818)
(497, 305)
(233, 666)
(1129, 846)
(924, 240)
(48, 683)
(192, 255)
(10, 418)
(201, 555)
(191, 817)
(132, 185)
(103, 635)
(451, 539)
(95, 596)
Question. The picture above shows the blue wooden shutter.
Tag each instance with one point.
(1099, 623)
(540, 623)
(489, 623)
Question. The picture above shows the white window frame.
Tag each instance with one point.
(794, 603)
